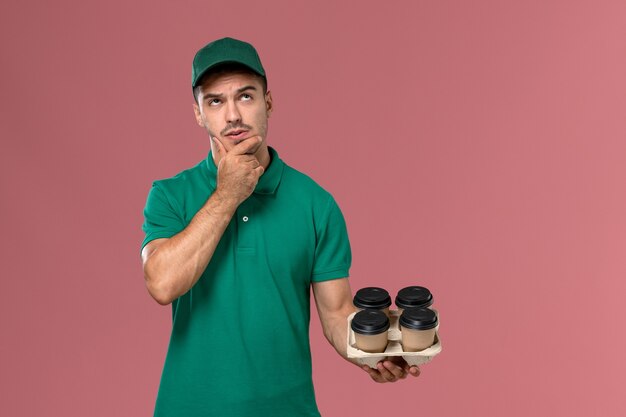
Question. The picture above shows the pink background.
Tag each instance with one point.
(477, 148)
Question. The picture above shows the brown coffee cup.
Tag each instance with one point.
(413, 297)
(418, 327)
(370, 330)
(372, 298)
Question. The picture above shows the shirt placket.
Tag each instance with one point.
(246, 225)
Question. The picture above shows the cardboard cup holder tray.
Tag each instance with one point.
(394, 346)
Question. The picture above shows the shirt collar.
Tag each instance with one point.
(268, 182)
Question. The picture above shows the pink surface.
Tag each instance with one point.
(477, 148)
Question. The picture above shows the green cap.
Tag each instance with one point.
(222, 51)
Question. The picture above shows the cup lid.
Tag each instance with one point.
(372, 298)
(370, 322)
(414, 296)
(419, 319)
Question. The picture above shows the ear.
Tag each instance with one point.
(196, 110)
(269, 104)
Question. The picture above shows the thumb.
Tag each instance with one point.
(218, 148)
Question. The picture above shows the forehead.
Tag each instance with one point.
(225, 82)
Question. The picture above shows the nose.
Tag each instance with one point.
(233, 116)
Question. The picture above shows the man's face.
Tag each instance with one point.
(232, 107)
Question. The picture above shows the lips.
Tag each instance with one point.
(236, 134)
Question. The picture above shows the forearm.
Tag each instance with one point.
(177, 264)
(336, 331)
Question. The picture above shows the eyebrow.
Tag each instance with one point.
(239, 91)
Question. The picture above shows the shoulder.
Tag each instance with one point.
(186, 179)
(301, 184)
(305, 193)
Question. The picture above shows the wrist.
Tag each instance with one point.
(222, 204)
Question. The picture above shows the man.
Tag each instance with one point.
(235, 244)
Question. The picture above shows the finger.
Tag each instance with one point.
(374, 374)
(246, 145)
(396, 370)
(415, 370)
(399, 361)
(218, 147)
(260, 170)
(385, 372)
(407, 369)
(253, 162)
(245, 159)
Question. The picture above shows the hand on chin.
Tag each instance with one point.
(252, 150)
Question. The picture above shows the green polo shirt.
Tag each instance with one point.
(240, 337)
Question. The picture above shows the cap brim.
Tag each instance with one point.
(217, 64)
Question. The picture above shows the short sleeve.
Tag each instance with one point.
(160, 218)
(333, 256)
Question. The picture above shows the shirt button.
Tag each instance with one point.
(245, 218)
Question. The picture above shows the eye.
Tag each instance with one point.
(214, 101)
(246, 97)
